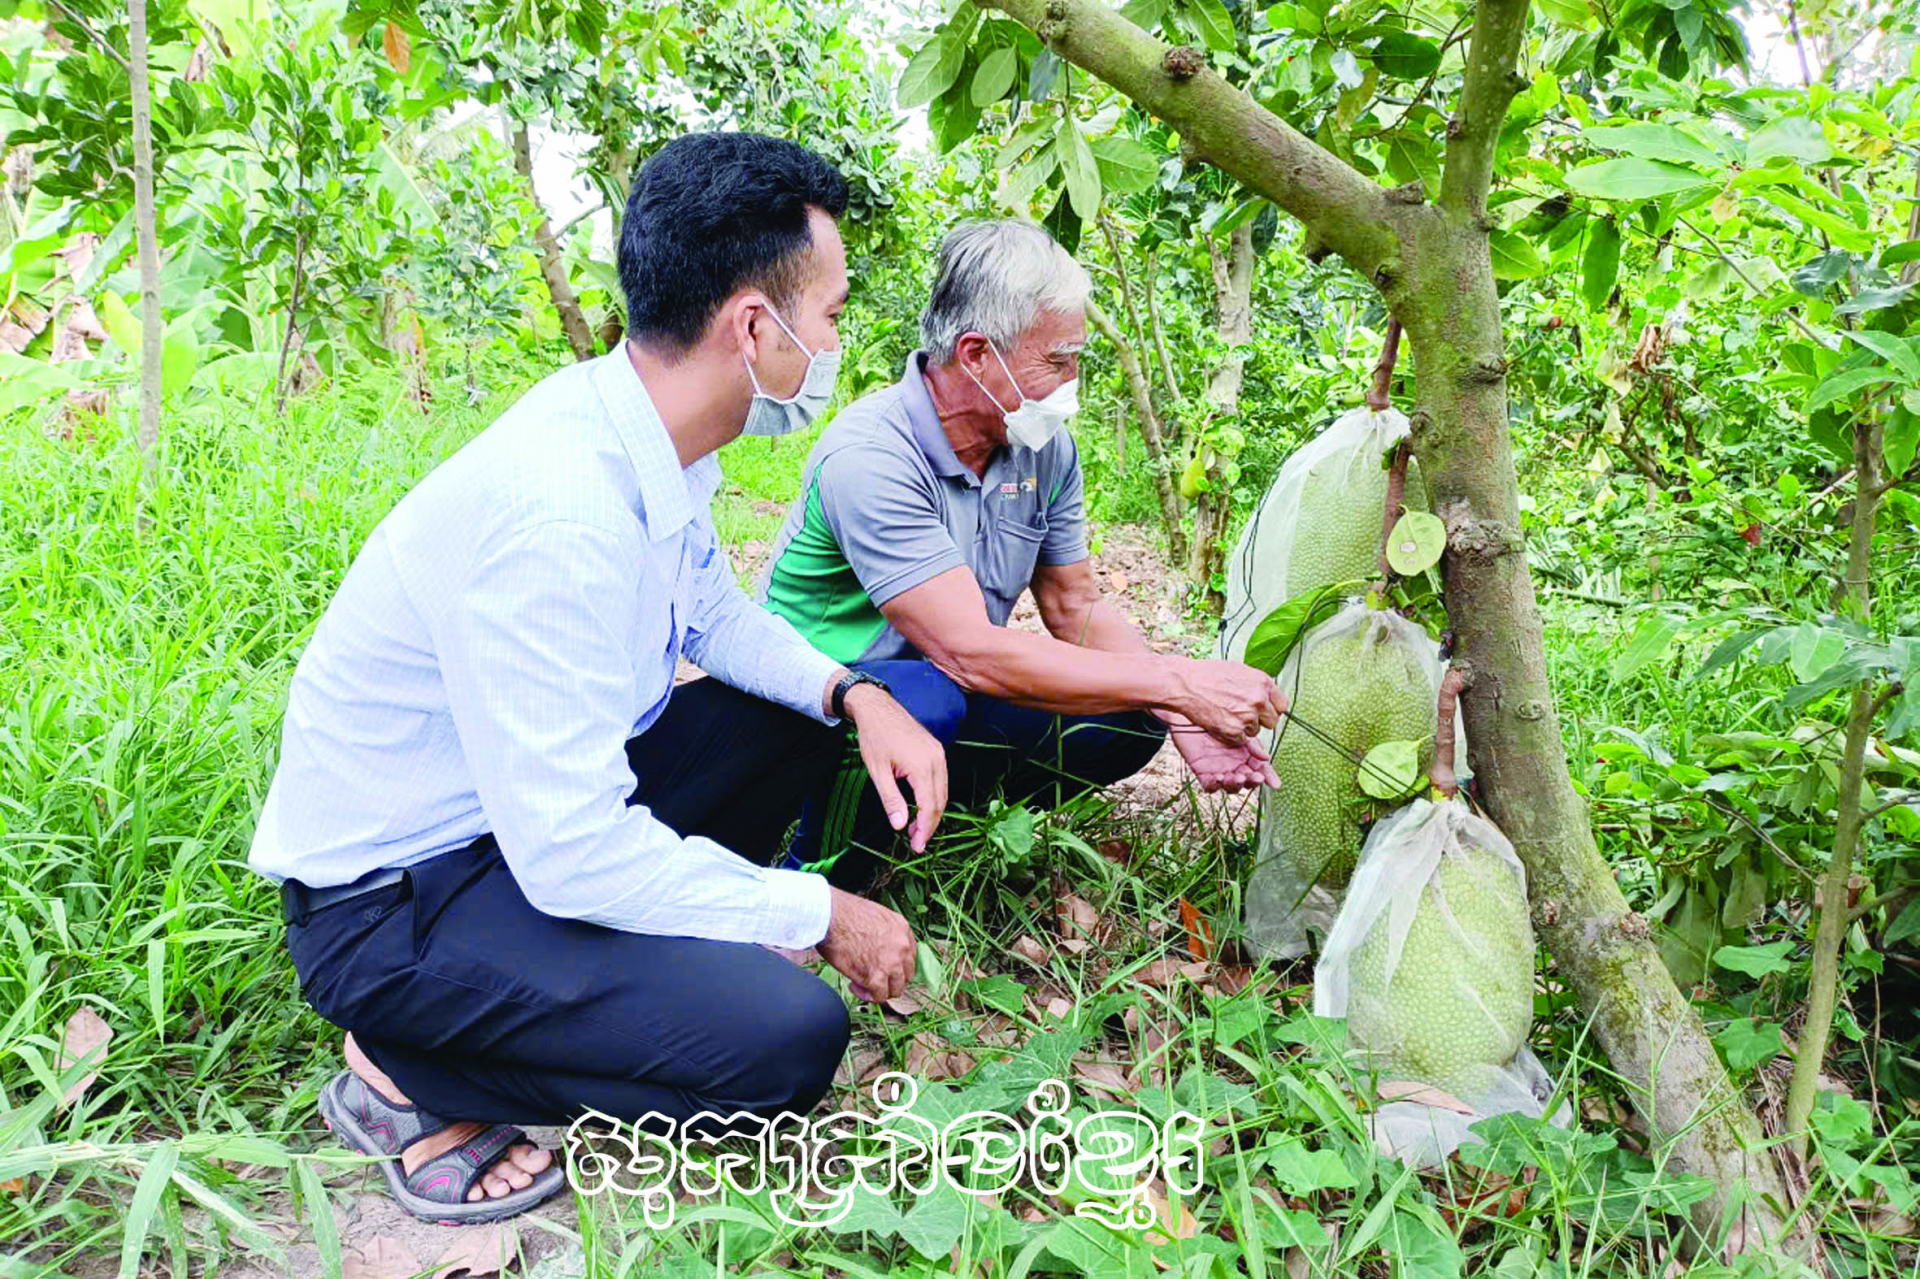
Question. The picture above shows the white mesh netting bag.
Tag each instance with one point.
(1319, 522)
(1431, 962)
(1362, 677)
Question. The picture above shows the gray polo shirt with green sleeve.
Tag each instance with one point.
(884, 505)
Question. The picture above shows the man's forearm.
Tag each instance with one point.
(1050, 675)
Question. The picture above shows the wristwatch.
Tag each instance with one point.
(847, 681)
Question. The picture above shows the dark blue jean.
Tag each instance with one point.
(993, 748)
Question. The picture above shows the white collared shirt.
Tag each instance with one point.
(505, 629)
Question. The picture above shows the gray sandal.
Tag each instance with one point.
(437, 1190)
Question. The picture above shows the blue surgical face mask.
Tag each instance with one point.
(770, 415)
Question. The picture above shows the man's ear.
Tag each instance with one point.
(740, 321)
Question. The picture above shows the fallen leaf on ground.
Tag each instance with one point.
(1073, 945)
(479, 1250)
(1174, 1223)
(1103, 1078)
(906, 1004)
(1199, 931)
(1232, 981)
(1422, 1095)
(1117, 580)
(857, 1064)
(1077, 915)
(85, 1032)
(1030, 950)
(1163, 972)
(379, 1258)
(1060, 1007)
(13, 1185)
(1117, 851)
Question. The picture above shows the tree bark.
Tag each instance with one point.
(147, 234)
(553, 267)
(1142, 393)
(1233, 321)
(1433, 265)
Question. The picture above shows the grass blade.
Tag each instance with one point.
(326, 1235)
(146, 1198)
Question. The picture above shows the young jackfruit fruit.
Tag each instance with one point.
(1341, 505)
(1459, 1001)
(1361, 689)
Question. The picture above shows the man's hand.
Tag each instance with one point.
(893, 746)
(1217, 766)
(1230, 700)
(870, 944)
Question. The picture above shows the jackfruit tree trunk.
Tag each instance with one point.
(1431, 262)
(1233, 321)
(553, 267)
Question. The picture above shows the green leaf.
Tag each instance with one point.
(146, 1199)
(1514, 257)
(1280, 630)
(1568, 13)
(1421, 1244)
(1653, 142)
(1815, 648)
(120, 323)
(1600, 266)
(1907, 925)
(1795, 136)
(1901, 441)
(1900, 253)
(326, 1231)
(1301, 1171)
(931, 71)
(157, 984)
(934, 1224)
(393, 176)
(1403, 56)
(1891, 349)
(1633, 178)
(1125, 165)
(995, 76)
(1416, 543)
(1730, 648)
(1646, 646)
(1841, 385)
(999, 992)
(1081, 170)
(1211, 20)
(1145, 14)
(1747, 1044)
(1390, 769)
(1755, 961)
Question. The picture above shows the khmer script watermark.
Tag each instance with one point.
(813, 1168)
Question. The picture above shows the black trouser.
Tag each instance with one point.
(481, 1007)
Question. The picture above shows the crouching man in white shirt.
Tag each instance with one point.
(525, 873)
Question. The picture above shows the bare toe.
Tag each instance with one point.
(531, 1159)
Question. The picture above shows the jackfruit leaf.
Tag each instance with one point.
(1632, 178)
(931, 71)
(1893, 350)
(1600, 267)
(1754, 961)
(1125, 166)
(1746, 1044)
(1841, 385)
(995, 76)
(1416, 543)
(1646, 646)
(1213, 23)
(1081, 170)
(1281, 629)
(1652, 141)
(1815, 648)
(1390, 769)
(1514, 258)
(1907, 925)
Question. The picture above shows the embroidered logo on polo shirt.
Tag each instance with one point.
(1030, 483)
(1009, 489)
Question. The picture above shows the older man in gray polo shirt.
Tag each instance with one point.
(927, 508)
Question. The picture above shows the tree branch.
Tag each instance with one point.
(1499, 27)
(92, 35)
(1344, 209)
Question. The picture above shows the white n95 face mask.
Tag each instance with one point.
(1035, 422)
(770, 415)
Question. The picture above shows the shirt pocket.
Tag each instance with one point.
(1007, 560)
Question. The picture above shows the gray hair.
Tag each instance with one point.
(995, 279)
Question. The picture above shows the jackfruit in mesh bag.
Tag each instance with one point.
(1431, 962)
(1362, 677)
(1319, 523)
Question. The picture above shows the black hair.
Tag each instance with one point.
(713, 213)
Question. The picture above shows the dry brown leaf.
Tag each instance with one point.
(857, 1064)
(1030, 950)
(1117, 851)
(380, 1257)
(1166, 970)
(906, 1003)
(85, 1032)
(14, 338)
(1422, 1095)
(1199, 931)
(1104, 1078)
(1117, 580)
(479, 1250)
(1060, 1007)
(1077, 916)
(919, 1053)
(1233, 980)
(398, 48)
(13, 1186)
(1298, 1267)
(1073, 945)
(1175, 1223)
(198, 62)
